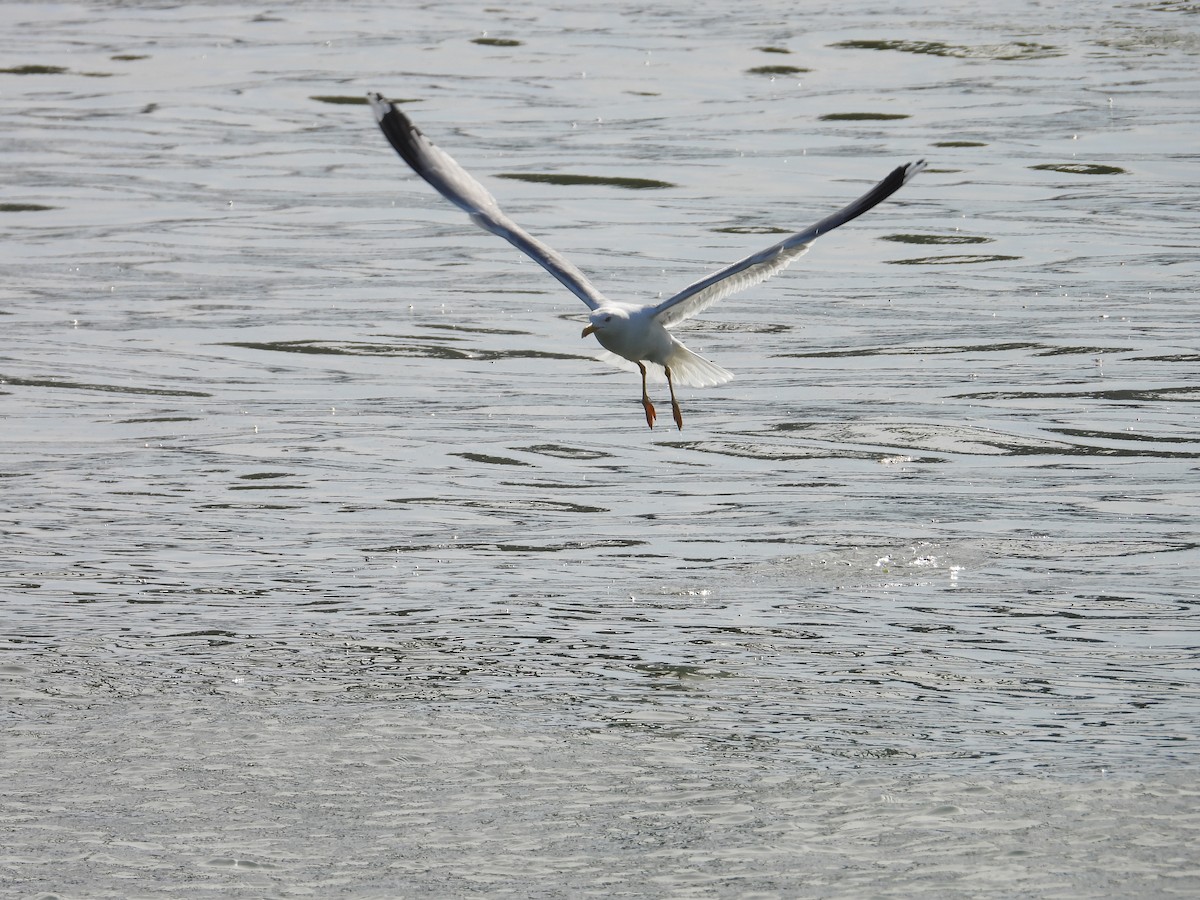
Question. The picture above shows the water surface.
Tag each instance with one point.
(334, 564)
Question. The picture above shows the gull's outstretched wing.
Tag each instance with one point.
(454, 183)
(760, 266)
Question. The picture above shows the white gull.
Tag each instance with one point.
(637, 333)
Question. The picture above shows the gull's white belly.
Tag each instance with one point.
(637, 338)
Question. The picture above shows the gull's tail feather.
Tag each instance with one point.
(693, 369)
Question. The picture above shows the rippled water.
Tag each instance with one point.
(334, 565)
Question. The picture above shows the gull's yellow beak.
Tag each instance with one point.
(588, 331)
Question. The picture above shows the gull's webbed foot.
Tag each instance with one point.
(675, 413)
(651, 415)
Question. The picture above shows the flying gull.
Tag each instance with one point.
(637, 333)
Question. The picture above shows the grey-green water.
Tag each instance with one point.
(332, 563)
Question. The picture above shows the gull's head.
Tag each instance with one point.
(605, 318)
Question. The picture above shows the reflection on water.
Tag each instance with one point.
(1014, 50)
(570, 180)
(330, 550)
(954, 259)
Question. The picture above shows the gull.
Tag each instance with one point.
(631, 332)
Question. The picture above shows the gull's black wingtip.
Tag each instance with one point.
(902, 175)
(401, 133)
(380, 105)
(896, 179)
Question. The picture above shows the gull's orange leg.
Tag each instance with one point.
(651, 415)
(674, 403)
